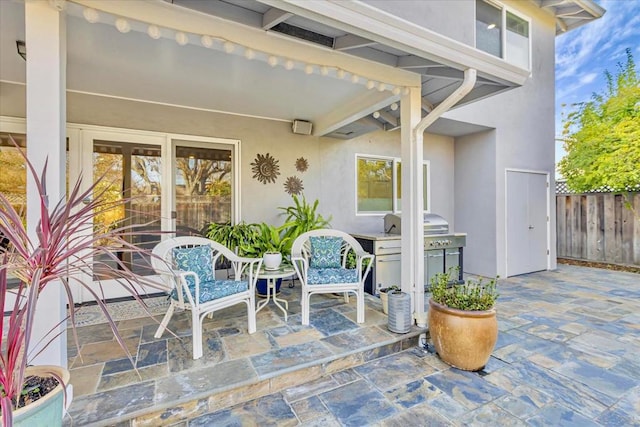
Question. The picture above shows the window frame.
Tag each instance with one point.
(504, 9)
(395, 161)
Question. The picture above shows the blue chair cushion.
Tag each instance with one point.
(325, 252)
(198, 259)
(215, 289)
(327, 276)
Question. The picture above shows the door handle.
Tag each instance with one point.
(531, 227)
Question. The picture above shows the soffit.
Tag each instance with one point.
(571, 14)
(103, 61)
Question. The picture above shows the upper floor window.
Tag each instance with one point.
(502, 33)
(379, 187)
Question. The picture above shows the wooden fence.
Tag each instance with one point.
(599, 227)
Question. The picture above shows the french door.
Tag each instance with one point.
(171, 185)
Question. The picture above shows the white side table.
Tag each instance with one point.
(271, 276)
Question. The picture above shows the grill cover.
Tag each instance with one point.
(433, 224)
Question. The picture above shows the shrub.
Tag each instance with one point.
(473, 295)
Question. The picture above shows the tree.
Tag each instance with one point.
(602, 136)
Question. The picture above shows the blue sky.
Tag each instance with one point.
(583, 55)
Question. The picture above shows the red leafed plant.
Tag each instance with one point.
(64, 250)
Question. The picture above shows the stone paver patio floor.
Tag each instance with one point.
(568, 354)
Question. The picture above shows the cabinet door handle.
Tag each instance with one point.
(453, 253)
(435, 255)
(386, 260)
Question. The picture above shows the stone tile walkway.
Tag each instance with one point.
(169, 386)
(567, 355)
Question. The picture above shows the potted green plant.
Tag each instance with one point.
(384, 296)
(271, 245)
(62, 252)
(240, 238)
(462, 320)
(300, 218)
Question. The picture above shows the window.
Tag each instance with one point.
(513, 44)
(379, 185)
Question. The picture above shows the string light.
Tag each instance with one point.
(206, 41)
(91, 15)
(228, 47)
(394, 106)
(249, 53)
(155, 32)
(376, 114)
(181, 38)
(122, 25)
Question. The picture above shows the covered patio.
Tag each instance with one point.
(566, 355)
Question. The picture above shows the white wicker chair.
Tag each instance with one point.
(194, 286)
(318, 279)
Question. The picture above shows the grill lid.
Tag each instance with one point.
(433, 224)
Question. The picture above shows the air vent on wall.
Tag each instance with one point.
(303, 34)
(301, 127)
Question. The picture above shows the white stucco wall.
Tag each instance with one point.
(454, 19)
(331, 174)
(524, 122)
(475, 200)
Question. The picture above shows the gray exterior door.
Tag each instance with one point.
(527, 223)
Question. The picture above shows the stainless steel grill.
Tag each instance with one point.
(442, 251)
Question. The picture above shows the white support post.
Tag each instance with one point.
(412, 260)
(45, 31)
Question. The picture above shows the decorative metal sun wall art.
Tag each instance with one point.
(302, 164)
(265, 168)
(293, 185)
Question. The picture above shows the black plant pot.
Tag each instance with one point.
(261, 287)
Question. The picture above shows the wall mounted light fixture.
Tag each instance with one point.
(22, 49)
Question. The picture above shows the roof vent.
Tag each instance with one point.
(301, 33)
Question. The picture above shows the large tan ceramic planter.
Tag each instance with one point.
(463, 339)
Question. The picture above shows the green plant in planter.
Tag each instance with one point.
(300, 218)
(473, 295)
(391, 289)
(462, 321)
(239, 237)
(64, 249)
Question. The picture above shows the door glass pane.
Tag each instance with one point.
(130, 172)
(488, 28)
(203, 185)
(375, 185)
(13, 179)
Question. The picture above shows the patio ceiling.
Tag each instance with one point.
(102, 60)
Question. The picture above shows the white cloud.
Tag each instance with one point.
(607, 35)
(588, 78)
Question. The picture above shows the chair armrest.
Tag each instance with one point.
(246, 266)
(301, 265)
(184, 286)
(360, 262)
